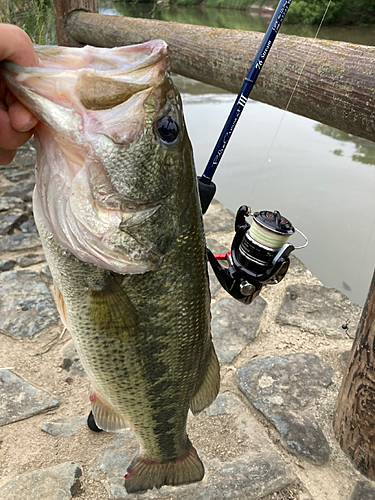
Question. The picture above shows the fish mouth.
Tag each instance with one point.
(89, 101)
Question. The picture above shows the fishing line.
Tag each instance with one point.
(266, 237)
(290, 100)
(260, 251)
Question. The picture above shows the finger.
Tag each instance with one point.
(16, 46)
(10, 98)
(7, 156)
(9, 138)
(3, 90)
(20, 118)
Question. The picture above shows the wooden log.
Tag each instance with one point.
(62, 9)
(336, 86)
(354, 417)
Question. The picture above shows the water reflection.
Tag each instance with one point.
(248, 20)
(364, 149)
(199, 15)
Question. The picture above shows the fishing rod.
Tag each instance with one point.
(260, 251)
(206, 187)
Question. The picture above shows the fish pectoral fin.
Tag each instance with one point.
(61, 307)
(209, 388)
(144, 473)
(130, 219)
(106, 418)
(112, 312)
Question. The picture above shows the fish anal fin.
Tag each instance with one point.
(144, 473)
(210, 386)
(106, 418)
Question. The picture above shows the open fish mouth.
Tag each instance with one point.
(97, 109)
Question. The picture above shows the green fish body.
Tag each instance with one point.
(117, 210)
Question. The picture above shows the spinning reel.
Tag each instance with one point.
(259, 254)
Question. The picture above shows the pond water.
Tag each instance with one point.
(321, 179)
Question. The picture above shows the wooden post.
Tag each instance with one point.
(62, 9)
(354, 417)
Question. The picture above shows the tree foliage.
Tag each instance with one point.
(34, 16)
(340, 11)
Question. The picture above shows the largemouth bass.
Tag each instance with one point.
(117, 210)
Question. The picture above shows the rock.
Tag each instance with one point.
(318, 309)
(254, 471)
(26, 305)
(30, 259)
(6, 264)
(64, 426)
(363, 490)
(296, 266)
(119, 453)
(214, 283)
(22, 190)
(216, 247)
(55, 483)
(20, 175)
(20, 400)
(285, 390)
(6, 226)
(227, 404)
(29, 226)
(25, 157)
(46, 275)
(344, 358)
(71, 362)
(13, 242)
(11, 219)
(11, 202)
(234, 325)
(218, 218)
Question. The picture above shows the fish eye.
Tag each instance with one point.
(167, 129)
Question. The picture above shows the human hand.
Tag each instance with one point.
(16, 122)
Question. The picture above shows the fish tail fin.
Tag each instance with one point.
(144, 474)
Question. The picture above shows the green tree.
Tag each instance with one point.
(34, 16)
(340, 11)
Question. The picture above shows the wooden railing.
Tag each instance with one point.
(336, 86)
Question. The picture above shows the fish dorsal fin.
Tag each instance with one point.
(106, 418)
(209, 388)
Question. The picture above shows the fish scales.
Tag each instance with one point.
(169, 342)
(117, 209)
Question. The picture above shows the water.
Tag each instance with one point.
(234, 19)
(318, 177)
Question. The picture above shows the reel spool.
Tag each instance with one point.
(259, 254)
